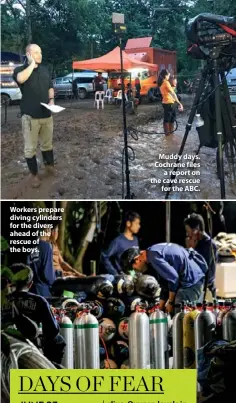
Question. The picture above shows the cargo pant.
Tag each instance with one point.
(34, 130)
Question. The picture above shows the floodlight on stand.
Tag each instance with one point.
(118, 21)
(119, 28)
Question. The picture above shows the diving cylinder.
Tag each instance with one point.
(177, 335)
(229, 324)
(123, 328)
(66, 331)
(139, 340)
(146, 286)
(189, 339)
(87, 351)
(216, 309)
(158, 339)
(124, 285)
(204, 328)
(107, 329)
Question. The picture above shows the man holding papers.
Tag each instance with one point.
(37, 124)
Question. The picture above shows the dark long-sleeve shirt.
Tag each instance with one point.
(207, 248)
(42, 266)
(34, 307)
(110, 259)
(176, 265)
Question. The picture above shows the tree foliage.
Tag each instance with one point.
(68, 30)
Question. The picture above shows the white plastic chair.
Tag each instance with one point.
(99, 99)
(119, 96)
(109, 95)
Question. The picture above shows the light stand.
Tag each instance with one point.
(120, 29)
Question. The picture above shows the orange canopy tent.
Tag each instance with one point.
(111, 61)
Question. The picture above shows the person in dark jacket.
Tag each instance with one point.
(110, 259)
(21, 301)
(41, 263)
(137, 84)
(197, 238)
(74, 89)
(180, 272)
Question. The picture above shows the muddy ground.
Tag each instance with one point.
(88, 148)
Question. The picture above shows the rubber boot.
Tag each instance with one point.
(166, 128)
(33, 168)
(171, 128)
(48, 161)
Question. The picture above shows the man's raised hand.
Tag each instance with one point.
(30, 58)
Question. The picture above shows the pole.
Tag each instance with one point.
(29, 23)
(126, 150)
(6, 106)
(219, 127)
(168, 216)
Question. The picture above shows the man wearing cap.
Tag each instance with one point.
(180, 271)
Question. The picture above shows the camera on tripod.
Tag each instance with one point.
(211, 36)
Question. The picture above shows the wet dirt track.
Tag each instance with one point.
(88, 151)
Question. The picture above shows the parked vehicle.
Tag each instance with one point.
(164, 59)
(63, 85)
(10, 91)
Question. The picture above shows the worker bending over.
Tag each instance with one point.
(180, 272)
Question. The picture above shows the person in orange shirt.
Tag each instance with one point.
(169, 98)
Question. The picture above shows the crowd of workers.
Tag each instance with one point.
(182, 273)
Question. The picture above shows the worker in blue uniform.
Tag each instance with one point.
(197, 238)
(20, 302)
(41, 262)
(179, 271)
(110, 259)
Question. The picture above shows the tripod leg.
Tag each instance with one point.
(198, 151)
(231, 127)
(219, 127)
(190, 121)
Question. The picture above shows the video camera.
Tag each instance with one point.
(211, 36)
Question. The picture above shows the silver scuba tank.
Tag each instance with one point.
(87, 351)
(66, 331)
(229, 324)
(139, 340)
(158, 339)
(177, 336)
